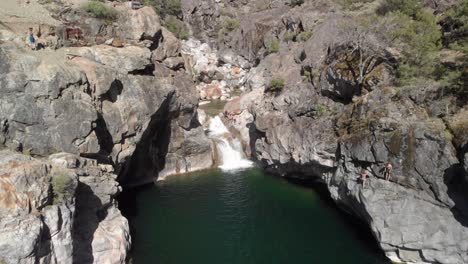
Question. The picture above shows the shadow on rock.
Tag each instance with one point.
(454, 178)
(89, 213)
(149, 157)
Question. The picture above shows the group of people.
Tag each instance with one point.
(387, 170)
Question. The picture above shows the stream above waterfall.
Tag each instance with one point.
(242, 216)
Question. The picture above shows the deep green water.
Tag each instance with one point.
(245, 217)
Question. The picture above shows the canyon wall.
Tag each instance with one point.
(326, 123)
(76, 124)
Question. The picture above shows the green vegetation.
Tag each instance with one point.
(231, 24)
(165, 7)
(276, 85)
(448, 135)
(288, 36)
(61, 182)
(172, 7)
(272, 46)
(353, 4)
(407, 7)
(100, 10)
(304, 36)
(418, 38)
(177, 27)
(455, 39)
(307, 75)
(431, 47)
(320, 110)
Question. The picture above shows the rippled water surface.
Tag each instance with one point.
(239, 218)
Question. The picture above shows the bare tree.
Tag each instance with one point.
(361, 47)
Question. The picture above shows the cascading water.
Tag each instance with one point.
(229, 147)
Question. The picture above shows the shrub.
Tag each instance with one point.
(165, 7)
(418, 39)
(60, 184)
(353, 4)
(407, 7)
(455, 26)
(273, 46)
(100, 10)
(308, 75)
(320, 110)
(276, 85)
(173, 7)
(304, 36)
(288, 36)
(231, 24)
(177, 27)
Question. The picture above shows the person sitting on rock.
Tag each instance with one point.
(32, 40)
(388, 171)
(364, 175)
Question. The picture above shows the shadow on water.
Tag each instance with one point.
(359, 228)
(127, 201)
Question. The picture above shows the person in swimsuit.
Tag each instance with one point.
(364, 175)
(388, 171)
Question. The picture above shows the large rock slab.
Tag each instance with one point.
(127, 59)
(138, 24)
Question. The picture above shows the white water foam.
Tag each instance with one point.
(229, 147)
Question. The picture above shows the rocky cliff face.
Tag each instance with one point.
(328, 125)
(78, 122)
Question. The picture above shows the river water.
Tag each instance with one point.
(240, 217)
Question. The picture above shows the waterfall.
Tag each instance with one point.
(229, 147)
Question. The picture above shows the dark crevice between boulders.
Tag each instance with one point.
(454, 178)
(147, 71)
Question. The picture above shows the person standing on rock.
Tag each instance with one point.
(32, 40)
(364, 175)
(388, 171)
